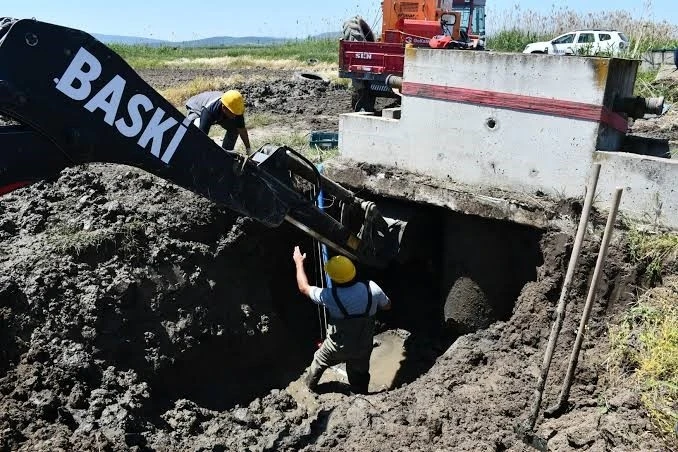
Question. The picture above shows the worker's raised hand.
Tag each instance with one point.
(298, 257)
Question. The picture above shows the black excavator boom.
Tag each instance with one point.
(77, 101)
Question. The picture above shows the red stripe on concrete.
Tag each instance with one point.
(555, 107)
(11, 187)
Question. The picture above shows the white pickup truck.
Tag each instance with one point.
(583, 42)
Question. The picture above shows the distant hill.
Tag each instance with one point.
(115, 39)
(216, 41)
(219, 41)
(328, 35)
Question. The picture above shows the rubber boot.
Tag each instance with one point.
(312, 377)
(359, 381)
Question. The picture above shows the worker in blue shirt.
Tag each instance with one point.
(225, 109)
(352, 306)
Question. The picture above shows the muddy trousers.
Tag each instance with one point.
(348, 341)
(229, 139)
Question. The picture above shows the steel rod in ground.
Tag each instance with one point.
(597, 273)
(560, 311)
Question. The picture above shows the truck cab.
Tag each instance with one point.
(472, 15)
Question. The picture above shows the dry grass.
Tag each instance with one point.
(512, 29)
(70, 239)
(263, 119)
(657, 252)
(249, 62)
(179, 94)
(644, 350)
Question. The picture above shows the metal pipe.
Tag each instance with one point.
(562, 302)
(324, 278)
(637, 107)
(394, 81)
(574, 357)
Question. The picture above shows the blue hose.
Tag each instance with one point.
(323, 247)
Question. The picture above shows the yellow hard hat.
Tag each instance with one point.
(234, 101)
(340, 269)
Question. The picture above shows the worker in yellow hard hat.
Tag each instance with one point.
(351, 306)
(225, 109)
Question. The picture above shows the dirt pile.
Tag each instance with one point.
(317, 102)
(136, 315)
(664, 127)
(122, 293)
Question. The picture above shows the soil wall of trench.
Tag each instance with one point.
(135, 315)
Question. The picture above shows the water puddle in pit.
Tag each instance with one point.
(386, 360)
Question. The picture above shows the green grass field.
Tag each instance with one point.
(146, 57)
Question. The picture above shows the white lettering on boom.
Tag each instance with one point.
(76, 83)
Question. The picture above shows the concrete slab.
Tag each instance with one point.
(650, 187)
(483, 139)
(533, 210)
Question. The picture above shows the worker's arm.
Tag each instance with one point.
(245, 139)
(302, 280)
(386, 306)
(383, 302)
(205, 121)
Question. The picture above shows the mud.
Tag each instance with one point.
(664, 127)
(135, 315)
(316, 103)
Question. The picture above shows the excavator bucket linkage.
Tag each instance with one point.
(77, 101)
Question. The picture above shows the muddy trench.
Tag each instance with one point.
(439, 250)
(181, 306)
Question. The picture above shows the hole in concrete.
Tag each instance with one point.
(491, 123)
(456, 273)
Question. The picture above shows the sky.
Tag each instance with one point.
(185, 20)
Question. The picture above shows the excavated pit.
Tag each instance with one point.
(439, 249)
(134, 323)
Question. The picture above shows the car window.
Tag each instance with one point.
(565, 39)
(586, 38)
(604, 37)
(623, 37)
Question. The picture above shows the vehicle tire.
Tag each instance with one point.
(356, 29)
(310, 76)
(5, 24)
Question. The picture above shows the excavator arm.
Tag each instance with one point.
(77, 101)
